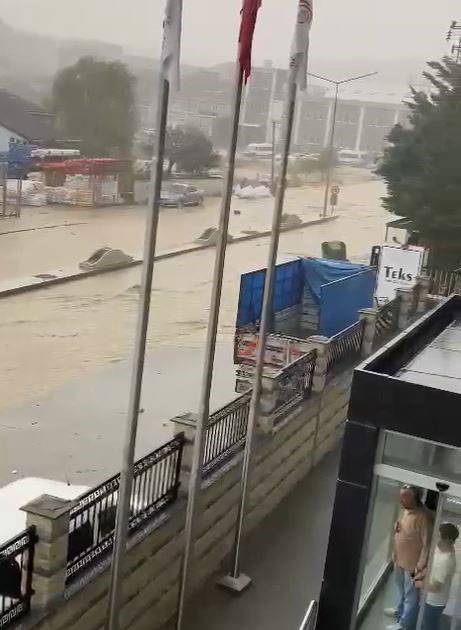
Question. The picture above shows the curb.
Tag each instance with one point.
(31, 283)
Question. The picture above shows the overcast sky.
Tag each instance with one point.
(343, 29)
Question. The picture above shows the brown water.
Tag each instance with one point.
(55, 337)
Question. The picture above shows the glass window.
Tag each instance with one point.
(378, 553)
(421, 456)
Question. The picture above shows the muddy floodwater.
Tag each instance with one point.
(66, 350)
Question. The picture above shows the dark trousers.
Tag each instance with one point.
(432, 617)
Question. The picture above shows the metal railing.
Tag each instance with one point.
(345, 346)
(308, 623)
(16, 566)
(444, 282)
(295, 382)
(388, 319)
(226, 432)
(92, 520)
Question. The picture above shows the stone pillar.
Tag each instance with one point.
(186, 423)
(50, 516)
(406, 299)
(370, 315)
(268, 404)
(321, 344)
(424, 283)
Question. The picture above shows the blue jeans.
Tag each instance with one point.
(432, 617)
(408, 599)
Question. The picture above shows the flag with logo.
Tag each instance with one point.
(171, 47)
(300, 44)
(247, 28)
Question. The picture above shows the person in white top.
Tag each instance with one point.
(438, 584)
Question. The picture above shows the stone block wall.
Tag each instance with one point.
(281, 459)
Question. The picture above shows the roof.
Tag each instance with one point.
(24, 118)
(413, 384)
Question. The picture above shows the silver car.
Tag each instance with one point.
(178, 195)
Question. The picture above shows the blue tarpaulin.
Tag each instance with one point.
(340, 288)
(288, 289)
(319, 271)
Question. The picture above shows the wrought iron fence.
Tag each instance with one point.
(387, 320)
(444, 282)
(92, 520)
(295, 382)
(345, 346)
(16, 566)
(226, 432)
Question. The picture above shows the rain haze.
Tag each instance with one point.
(360, 29)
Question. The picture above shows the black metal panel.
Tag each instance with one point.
(417, 410)
(358, 453)
(343, 558)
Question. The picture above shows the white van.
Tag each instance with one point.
(260, 150)
(16, 494)
(351, 158)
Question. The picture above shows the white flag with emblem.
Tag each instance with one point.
(171, 47)
(300, 45)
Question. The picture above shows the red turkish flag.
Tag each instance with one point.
(247, 29)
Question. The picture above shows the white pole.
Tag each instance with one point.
(237, 581)
(330, 152)
(204, 405)
(126, 477)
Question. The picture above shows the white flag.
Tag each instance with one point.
(300, 45)
(171, 47)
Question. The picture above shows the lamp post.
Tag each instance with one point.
(332, 128)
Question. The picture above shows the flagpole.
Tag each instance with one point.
(127, 473)
(204, 404)
(235, 580)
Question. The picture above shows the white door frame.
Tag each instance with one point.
(418, 479)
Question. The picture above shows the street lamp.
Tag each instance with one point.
(333, 125)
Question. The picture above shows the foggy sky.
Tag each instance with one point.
(343, 29)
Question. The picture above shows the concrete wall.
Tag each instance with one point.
(282, 458)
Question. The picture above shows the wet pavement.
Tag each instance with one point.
(285, 558)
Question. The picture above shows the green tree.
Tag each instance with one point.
(421, 164)
(94, 102)
(189, 149)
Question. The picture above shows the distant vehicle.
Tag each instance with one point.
(261, 150)
(351, 158)
(179, 195)
(215, 173)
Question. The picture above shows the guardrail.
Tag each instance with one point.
(444, 282)
(226, 432)
(92, 520)
(308, 623)
(345, 346)
(16, 566)
(387, 319)
(295, 382)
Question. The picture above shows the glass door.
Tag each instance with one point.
(440, 592)
(378, 597)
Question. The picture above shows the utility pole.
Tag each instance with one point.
(454, 33)
(337, 84)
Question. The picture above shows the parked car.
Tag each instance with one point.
(178, 195)
(351, 158)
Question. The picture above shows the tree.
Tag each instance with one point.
(94, 102)
(421, 164)
(189, 149)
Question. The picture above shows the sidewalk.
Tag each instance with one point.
(284, 557)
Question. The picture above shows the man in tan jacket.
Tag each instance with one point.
(412, 541)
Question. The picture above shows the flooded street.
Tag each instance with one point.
(66, 349)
